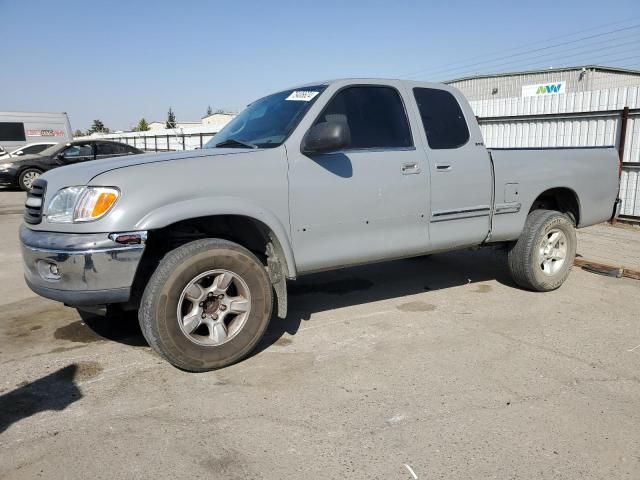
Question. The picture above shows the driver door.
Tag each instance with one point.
(368, 201)
(80, 152)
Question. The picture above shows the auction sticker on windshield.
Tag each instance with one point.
(302, 95)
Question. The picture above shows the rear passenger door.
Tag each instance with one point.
(368, 201)
(461, 178)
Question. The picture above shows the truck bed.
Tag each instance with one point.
(522, 174)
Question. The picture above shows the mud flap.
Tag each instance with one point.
(278, 280)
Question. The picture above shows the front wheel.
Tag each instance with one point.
(543, 255)
(207, 305)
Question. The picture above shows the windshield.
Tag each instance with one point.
(267, 122)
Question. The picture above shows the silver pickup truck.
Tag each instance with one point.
(317, 177)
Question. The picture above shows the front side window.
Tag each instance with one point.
(375, 116)
(12, 132)
(267, 122)
(442, 118)
(74, 151)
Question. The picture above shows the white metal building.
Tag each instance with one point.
(161, 125)
(578, 106)
(575, 79)
(218, 118)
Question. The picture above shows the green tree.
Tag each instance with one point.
(171, 119)
(209, 111)
(98, 127)
(142, 126)
(78, 133)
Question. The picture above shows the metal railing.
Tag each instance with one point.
(166, 142)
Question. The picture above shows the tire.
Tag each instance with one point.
(200, 349)
(26, 178)
(534, 264)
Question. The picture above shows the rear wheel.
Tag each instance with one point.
(207, 305)
(27, 177)
(543, 255)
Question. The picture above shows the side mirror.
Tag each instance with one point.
(326, 137)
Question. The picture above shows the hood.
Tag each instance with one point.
(82, 173)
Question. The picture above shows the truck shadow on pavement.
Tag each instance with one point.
(382, 281)
(332, 290)
(55, 391)
(121, 327)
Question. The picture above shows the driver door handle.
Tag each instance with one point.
(410, 168)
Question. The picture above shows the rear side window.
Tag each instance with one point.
(34, 149)
(375, 116)
(442, 118)
(107, 149)
(12, 132)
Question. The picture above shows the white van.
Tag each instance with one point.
(20, 128)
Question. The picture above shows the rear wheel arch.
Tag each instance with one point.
(561, 199)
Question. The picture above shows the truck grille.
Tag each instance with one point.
(35, 202)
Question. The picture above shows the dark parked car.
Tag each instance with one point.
(22, 171)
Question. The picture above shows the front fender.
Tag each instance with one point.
(216, 205)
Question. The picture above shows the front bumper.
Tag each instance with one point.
(79, 269)
(8, 177)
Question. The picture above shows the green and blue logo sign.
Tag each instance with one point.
(553, 88)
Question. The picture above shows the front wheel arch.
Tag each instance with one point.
(214, 208)
(245, 231)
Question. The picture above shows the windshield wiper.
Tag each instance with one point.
(233, 143)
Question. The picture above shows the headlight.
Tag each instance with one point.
(81, 204)
(5, 166)
(61, 207)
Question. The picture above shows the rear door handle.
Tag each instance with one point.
(443, 167)
(410, 168)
